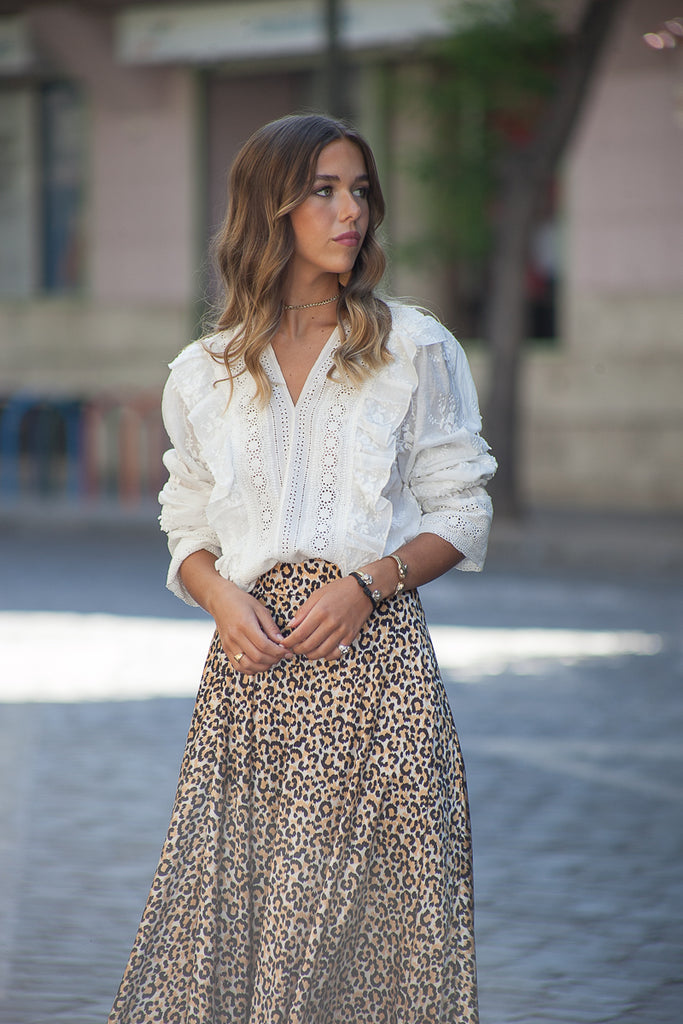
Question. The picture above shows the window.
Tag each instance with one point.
(61, 124)
(41, 189)
(18, 199)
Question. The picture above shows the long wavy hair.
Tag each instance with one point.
(272, 174)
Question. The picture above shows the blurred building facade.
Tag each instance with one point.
(118, 122)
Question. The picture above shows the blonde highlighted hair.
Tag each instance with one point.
(272, 174)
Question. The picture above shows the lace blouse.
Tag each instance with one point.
(348, 474)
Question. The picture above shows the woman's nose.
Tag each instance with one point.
(350, 208)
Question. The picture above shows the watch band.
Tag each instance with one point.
(365, 581)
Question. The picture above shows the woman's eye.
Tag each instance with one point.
(324, 190)
(361, 192)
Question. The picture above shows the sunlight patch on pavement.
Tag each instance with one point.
(46, 656)
(473, 653)
(67, 656)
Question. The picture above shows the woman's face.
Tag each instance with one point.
(330, 225)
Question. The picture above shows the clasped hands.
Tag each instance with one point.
(332, 616)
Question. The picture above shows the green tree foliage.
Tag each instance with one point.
(487, 82)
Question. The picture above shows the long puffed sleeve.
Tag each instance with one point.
(446, 462)
(185, 496)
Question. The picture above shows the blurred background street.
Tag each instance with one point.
(564, 670)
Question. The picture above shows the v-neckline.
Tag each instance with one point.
(310, 376)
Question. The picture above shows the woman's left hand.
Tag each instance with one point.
(334, 614)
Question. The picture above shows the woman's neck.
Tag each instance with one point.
(304, 292)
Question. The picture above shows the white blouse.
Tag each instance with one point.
(348, 474)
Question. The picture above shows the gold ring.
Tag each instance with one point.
(238, 657)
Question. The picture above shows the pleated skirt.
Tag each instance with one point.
(317, 867)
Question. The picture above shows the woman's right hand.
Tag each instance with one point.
(250, 638)
(247, 628)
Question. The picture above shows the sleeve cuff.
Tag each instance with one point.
(466, 528)
(200, 541)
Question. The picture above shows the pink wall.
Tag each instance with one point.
(140, 207)
(624, 178)
(142, 210)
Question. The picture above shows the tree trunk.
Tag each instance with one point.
(525, 180)
(505, 332)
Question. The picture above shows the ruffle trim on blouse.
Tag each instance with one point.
(421, 328)
(201, 383)
(382, 410)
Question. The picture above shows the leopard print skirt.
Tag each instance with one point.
(317, 868)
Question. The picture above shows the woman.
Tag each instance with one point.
(326, 461)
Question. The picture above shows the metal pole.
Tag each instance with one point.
(334, 71)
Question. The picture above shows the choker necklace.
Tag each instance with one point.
(310, 305)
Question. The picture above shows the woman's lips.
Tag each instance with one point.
(348, 238)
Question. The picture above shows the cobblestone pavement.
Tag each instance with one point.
(566, 688)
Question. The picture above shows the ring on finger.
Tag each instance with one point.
(238, 657)
(344, 648)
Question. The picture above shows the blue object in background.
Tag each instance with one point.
(44, 432)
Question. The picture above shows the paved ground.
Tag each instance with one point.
(564, 664)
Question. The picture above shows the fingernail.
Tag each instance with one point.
(279, 637)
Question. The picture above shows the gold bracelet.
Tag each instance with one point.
(402, 572)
